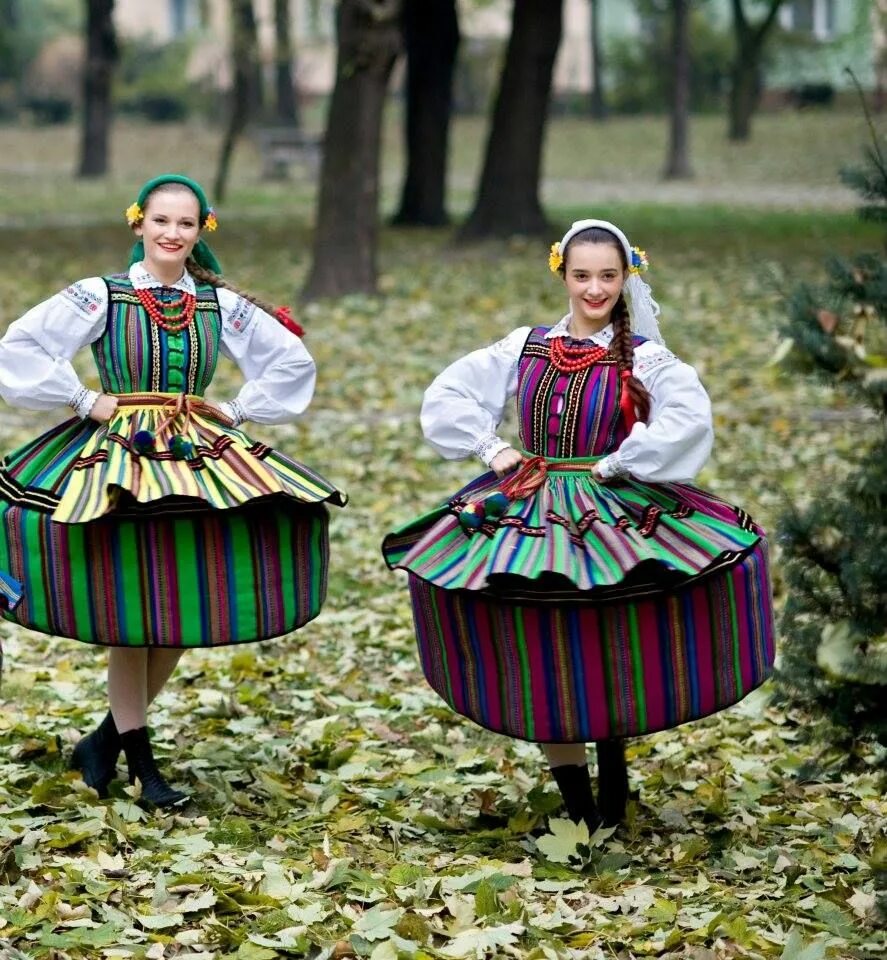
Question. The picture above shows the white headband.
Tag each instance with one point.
(643, 309)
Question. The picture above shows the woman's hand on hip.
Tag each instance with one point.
(104, 408)
(506, 461)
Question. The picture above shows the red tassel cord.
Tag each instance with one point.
(285, 316)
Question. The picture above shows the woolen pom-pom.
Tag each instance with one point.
(181, 448)
(472, 516)
(143, 441)
(496, 505)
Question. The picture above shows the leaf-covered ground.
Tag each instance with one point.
(339, 807)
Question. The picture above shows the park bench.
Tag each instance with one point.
(282, 146)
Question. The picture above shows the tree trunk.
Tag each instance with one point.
(287, 104)
(431, 37)
(677, 164)
(244, 67)
(508, 197)
(101, 54)
(744, 87)
(879, 51)
(9, 27)
(597, 104)
(746, 70)
(346, 231)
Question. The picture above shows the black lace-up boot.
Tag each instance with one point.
(95, 756)
(142, 766)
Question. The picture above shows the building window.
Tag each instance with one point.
(317, 21)
(812, 18)
(184, 15)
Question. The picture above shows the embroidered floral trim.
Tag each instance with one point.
(83, 299)
(241, 317)
(83, 401)
(142, 279)
(487, 447)
(644, 363)
(234, 409)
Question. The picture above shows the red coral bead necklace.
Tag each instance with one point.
(573, 359)
(170, 322)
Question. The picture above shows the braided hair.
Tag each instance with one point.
(203, 275)
(621, 346)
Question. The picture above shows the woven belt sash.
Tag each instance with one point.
(532, 473)
(173, 404)
(526, 480)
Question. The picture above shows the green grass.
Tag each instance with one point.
(801, 151)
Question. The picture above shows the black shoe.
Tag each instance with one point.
(612, 783)
(95, 756)
(574, 783)
(142, 766)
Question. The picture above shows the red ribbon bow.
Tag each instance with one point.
(285, 317)
(626, 404)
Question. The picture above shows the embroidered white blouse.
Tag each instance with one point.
(464, 405)
(36, 352)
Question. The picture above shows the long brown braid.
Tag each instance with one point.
(213, 279)
(621, 346)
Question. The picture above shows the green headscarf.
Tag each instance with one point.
(202, 253)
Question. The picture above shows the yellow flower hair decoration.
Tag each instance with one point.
(211, 223)
(639, 262)
(554, 258)
(134, 214)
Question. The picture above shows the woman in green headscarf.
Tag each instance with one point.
(150, 522)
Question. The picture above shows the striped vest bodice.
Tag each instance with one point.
(134, 355)
(567, 414)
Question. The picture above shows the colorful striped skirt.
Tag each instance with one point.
(589, 611)
(109, 545)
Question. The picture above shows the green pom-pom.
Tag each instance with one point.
(472, 516)
(143, 442)
(181, 448)
(496, 505)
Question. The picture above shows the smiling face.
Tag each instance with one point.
(594, 274)
(170, 228)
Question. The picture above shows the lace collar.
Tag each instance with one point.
(141, 278)
(562, 329)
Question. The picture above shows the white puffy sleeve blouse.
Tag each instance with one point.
(464, 405)
(37, 349)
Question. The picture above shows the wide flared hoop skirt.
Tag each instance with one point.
(564, 673)
(589, 610)
(109, 546)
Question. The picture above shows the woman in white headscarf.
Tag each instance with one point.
(583, 590)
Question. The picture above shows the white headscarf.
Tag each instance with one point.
(644, 310)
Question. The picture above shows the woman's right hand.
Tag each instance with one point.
(506, 461)
(104, 408)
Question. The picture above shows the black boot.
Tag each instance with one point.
(142, 765)
(612, 783)
(574, 783)
(95, 756)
